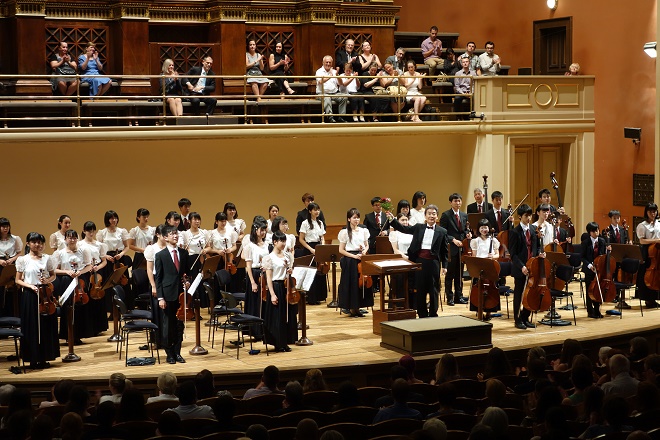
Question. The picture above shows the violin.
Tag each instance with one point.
(185, 311)
(95, 280)
(652, 274)
(292, 295)
(79, 294)
(364, 281)
(124, 279)
(47, 303)
(537, 297)
(229, 266)
(602, 288)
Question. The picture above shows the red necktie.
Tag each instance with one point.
(596, 248)
(458, 222)
(557, 230)
(186, 223)
(378, 220)
(175, 256)
(618, 236)
(499, 220)
(528, 239)
(478, 208)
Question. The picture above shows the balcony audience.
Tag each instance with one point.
(279, 66)
(170, 85)
(349, 84)
(90, 64)
(432, 52)
(64, 69)
(573, 70)
(397, 60)
(254, 64)
(366, 59)
(346, 55)
(199, 82)
(328, 86)
(412, 81)
(489, 61)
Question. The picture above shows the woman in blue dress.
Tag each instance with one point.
(90, 64)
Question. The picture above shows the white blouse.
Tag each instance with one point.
(57, 240)
(150, 253)
(97, 250)
(11, 246)
(277, 264)
(142, 237)
(416, 216)
(548, 232)
(113, 240)
(255, 254)
(195, 242)
(313, 234)
(237, 225)
(358, 239)
(402, 240)
(76, 260)
(648, 230)
(33, 269)
(217, 239)
(480, 247)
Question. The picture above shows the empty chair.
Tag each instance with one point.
(629, 268)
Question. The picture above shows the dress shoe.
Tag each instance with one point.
(529, 324)
(287, 349)
(461, 300)
(520, 325)
(364, 311)
(450, 302)
(280, 350)
(180, 359)
(340, 119)
(652, 304)
(359, 315)
(624, 305)
(345, 311)
(171, 360)
(592, 316)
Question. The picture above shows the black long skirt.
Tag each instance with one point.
(351, 295)
(281, 320)
(96, 312)
(34, 324)
(319, 290)
(253, 304)
(82, 327)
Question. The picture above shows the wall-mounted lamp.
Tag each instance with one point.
(552, 4)
(650, 49)
(633, 133)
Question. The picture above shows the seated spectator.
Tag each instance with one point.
(19, 424)
(349, 84)
(412, 81)
(327, 85)
(532, 353)
(59, 393)
(20, 399)
(622, 383)
(547, 396)
(278, 64)
(117, 384)
(71, 426)
(495, 392)
(408, 362)
(166, 383)
(400, 409)
(64, 70)
(224, 408)
(257, 432)
(268, 385)
(481, 432)
(570, 348)
(79, 402)
(131, 406)
(535, 372)
(436, 428)
(615, 413)
(293, 399)
(470, 55)
(603, 357)
(90, 64)
(385, 82)
(582, 378)
(555, 425)
(314, 381)
(106, 414)
(171, 87)
(5, 393)
(348, 396)
(397, 372)
(169, 424)
(369, 80)
(489, 61)
(204, 384)
(200, 82)
(497, 364)
(607, 376)
(648, 397)
(397, 60)
(446, 399)
(446, 369)
(638, 435)
(639, 349)
(366, 59)
(451, 63)
(307, 429)
(432, 52)
(42, 428)
(573, 70)
(498, 421)
(652, 368)
(463, 87)
(593, 406)
(188, 408)
(254, 64)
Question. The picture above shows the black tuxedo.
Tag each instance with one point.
(427, 280)
(448, 221)
(209, 89)
(472, 207)
(302, 216)
(518, 248)
(168, 287)
(623, 235)
(492, 220)
(588, 255)
(372, 226)
(341, 58)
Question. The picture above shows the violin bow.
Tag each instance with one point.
(515, 209)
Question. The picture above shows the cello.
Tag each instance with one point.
(537, 297)
(602, 288)
(652, 274)
(503, 238)
(484, 293)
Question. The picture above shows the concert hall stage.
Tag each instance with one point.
(344, 348)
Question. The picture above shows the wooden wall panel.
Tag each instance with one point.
(232, 36)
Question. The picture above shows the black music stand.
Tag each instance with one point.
(305, 261)
(619, 253)
(329, 253)
(110, 282)
(7, 280)
(552, 318)
(482, 269)
(210, 266)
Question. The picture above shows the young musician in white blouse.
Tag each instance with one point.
(353, 245)
(281, 224)
(417, 210)
(546, 228)
(97, 250)
(116, 241)
(233, 221)
(400, 243)
(11, 247)
(253, 255)
(273, 211)
(40, 342)
(648, 233)
(57, 240)
(140, 236)
(312, 232)
(280, 317)
(484, 245)
(194, 240)
(221, 240)
(70, 263)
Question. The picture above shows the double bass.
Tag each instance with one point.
(602, 288)
(625, 277)
(537, 296)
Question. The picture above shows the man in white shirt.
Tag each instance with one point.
(326, 86)
(489, 62)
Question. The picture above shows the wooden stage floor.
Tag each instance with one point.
(338, 341)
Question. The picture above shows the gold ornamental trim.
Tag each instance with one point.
(26, 7)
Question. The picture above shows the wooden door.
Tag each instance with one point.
(532, 167)
(553, 46)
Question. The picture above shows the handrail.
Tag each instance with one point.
(247, 102)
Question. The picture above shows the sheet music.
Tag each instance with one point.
(304, 277)
(195, 284)
(391, 263)
(69, 290)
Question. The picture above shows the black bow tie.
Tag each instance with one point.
(429, 227)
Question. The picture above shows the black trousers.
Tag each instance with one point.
(454, 275)
(427, 281)
(592, 306)
(519, 313)
(210, 105)
(171, 329)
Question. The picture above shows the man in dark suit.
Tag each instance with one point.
(455, 221)
(523, 245)
(479, 205)
(184, 208)
(497, 217)
(592, 247)
(376, 223)
(307, 198)
(428, 247)
(618, 234)
(171, 264)
(199, 87)
(546, 198)
(346, 55)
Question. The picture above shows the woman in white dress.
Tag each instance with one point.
(57, 240)
(417, 211)
(254, 64)
(253, 255)
(140, 236)
(97, 250)
(11, 247)
(311, 235)
(648, 233)
(70, 263)
(236, 223)
(353, 244)
(484, 246)
(273, 211)
(40, 343)
(412, 81)
(281, 224)
(116, 242)
(280, 317)
(194, 240)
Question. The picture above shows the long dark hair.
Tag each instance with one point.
(312, 206)
(230, 205)
(108, 215)
(418, 195)
(350, 213)
(649, 207)
(4, 221)
(253, 232)
(403, 204)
